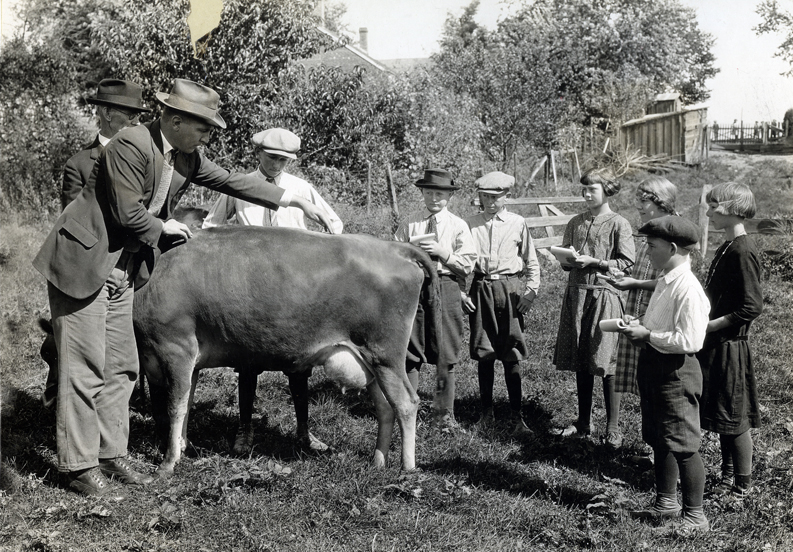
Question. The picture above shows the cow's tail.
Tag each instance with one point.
(431, 292)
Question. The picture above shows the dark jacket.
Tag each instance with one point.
(78, 171)
(110, 213)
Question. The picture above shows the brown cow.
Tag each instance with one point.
(283, 299)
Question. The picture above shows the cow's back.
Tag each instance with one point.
(252, 296)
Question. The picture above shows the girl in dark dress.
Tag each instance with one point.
(729, 404)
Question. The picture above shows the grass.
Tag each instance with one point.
(474, 491)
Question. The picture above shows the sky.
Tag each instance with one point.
(749, 86)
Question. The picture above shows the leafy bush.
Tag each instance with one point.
(41, 126)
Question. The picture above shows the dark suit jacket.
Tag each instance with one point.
(110, 214)
(78, 171)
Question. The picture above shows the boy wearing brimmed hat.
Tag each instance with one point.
(498, 299)
(448, 241)
(274, 148)
(106, 242)
(668, 374)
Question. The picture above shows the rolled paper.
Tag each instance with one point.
(612, 325)
(420, 238)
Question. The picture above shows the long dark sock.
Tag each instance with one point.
(612, 401)
(692, 478)
(742, 457)
(486, 371)
(246, 385)
(727, 454)
(666, 472)
(585, 383)
(514, 389)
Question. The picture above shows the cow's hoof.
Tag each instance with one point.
(313, 444)
(163, 474)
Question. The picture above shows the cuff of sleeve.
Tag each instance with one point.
(286, 198)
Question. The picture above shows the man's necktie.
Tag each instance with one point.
(165, 184)
(269, 214)
(432, 228)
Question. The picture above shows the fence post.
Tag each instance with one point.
(392, 198)
(368, 187)
(703, 219)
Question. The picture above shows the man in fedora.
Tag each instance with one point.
(109, 237)
(274, 148)
(119, 105)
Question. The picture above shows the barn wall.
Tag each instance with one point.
(679, 135)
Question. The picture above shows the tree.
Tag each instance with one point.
(510, 81)
(556, 61)
(39, 125)
(775, 19)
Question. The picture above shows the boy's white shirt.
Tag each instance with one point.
(453, 234)
(249, 214)
(677, 315)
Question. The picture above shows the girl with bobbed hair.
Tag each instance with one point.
(603, 243)
(730, 404)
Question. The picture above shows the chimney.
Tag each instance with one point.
(363, 41)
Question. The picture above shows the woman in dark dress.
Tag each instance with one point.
(729, 404)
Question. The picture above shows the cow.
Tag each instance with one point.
(287, 300)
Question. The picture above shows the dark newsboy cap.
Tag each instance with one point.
(673, 229)
(119, 93)
(438, 179)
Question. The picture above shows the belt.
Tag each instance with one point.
(491, 277)
(451, 277)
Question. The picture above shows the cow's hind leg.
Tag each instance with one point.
(298, 385)
(393, 397)
(178, 399)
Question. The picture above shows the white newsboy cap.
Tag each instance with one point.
(495, 183)
(277, 141)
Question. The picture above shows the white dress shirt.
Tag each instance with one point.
(248, 214)
(677, 315)
(453, 234)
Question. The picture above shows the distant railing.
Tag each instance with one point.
(758, 133)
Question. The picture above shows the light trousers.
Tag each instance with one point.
(97, 369)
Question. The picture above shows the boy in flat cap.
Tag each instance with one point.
(448, 241)
(498, 299)
(104, 244)
(274, 148)
(668, 374)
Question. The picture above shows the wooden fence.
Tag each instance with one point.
(680, 135)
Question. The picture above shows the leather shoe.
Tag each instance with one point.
(90, 482)
(120, 469)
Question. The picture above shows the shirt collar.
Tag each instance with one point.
(676, 272)
(440, 215)
(166, 145)
(103, 140)
(276, 178)
(501, 215)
